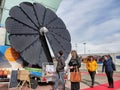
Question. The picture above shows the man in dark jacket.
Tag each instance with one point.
(60, 71)
(109, 67)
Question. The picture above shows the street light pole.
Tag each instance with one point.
(76, 46)
(84, 48)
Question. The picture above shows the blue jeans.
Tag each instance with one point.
(59, 75)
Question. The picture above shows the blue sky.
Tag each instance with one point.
(95, 22)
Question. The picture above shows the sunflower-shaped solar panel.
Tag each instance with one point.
(34, 29)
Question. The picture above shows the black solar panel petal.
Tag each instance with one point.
(30, 26)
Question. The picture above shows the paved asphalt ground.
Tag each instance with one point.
(84, 85)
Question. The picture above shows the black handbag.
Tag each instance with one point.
(113, 66)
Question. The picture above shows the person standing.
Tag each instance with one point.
(91, 66)
(109, 67)
(73, 63)
(60, 71)
(80, 58)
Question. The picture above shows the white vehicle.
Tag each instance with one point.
(48, 73)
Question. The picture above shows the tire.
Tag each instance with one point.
(34, 83)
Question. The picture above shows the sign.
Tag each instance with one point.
(13, 79)
(11, 54)
(9, 58)
(50, 68)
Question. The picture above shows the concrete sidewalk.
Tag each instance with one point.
(84, 84)
(99, 79)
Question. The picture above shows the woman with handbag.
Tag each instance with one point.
(74, 65)
(92, 65)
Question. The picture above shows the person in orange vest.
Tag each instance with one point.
(91, 66)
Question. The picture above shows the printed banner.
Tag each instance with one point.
(9, 58)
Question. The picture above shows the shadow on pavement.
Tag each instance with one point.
(88, 82)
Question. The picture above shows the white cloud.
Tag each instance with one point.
(103, 30)
(97, 22)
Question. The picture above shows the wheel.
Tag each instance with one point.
(34, 83)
